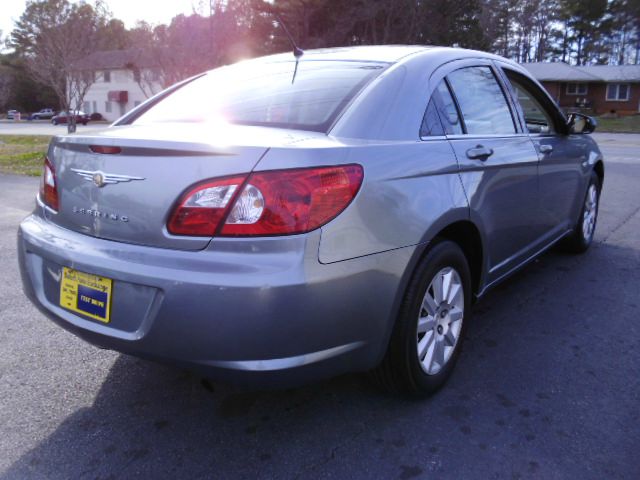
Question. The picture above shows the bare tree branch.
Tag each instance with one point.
(54, 35)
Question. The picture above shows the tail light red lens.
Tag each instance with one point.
(201, 209)
(105, 149)
(292, 201)
(281, 202)
(48, 188)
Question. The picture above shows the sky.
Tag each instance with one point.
(129, 11)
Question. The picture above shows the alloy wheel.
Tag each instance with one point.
(440, 320)
(590, 212)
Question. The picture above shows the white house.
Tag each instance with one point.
(123, 80)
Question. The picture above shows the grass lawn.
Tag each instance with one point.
(22, 154)
(628, 124)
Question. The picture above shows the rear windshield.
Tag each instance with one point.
(271, 94)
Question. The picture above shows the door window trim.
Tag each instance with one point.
(471, 136)
(463, 124)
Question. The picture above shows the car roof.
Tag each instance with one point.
(369, 53)
(376, 53)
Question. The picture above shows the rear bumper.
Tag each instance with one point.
(260, 311)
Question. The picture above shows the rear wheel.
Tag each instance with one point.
(426, 339)
(582, 237)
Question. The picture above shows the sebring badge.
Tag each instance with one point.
(100, 214)
(100, 179)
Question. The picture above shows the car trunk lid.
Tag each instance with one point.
(122, 183)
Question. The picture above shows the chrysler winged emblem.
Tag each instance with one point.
(100, 179)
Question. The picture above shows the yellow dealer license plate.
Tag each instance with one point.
(87, 294)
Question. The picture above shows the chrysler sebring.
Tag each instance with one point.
(285, 219)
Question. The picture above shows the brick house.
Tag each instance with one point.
(598, 89)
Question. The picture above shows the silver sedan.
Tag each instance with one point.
(286, 219)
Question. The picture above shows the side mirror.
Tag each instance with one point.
(579, 123)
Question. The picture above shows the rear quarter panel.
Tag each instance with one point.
(411, 190)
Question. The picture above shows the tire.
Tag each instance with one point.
(402, 369)
(582, 237)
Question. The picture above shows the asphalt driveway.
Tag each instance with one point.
(548, 385)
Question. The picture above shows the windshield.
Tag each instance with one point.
(271, 94)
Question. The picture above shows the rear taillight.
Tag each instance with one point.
(292, 201)
(281, 202)
(48, 188)
(200, 209)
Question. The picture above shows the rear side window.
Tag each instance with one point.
(308, 96)
(431, 126)
(482, 103)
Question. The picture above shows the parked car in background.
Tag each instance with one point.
(63, 117)
(286, 219)
(11, 114)
(44, 114)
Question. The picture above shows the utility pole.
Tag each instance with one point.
(215, 8)
(212, 7)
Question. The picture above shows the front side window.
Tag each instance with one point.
(306, 96)
(537, 118)
(618, 92)
(482, 103)
(576, 89)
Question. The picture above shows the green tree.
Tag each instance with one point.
(453, 24)
(583, 23)
(497, 20)
(18, 90)
(624, 39)
(113, 35)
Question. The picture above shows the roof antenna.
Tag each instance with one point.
(297, 51)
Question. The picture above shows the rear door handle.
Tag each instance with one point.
(546, 148)
(479, 152)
